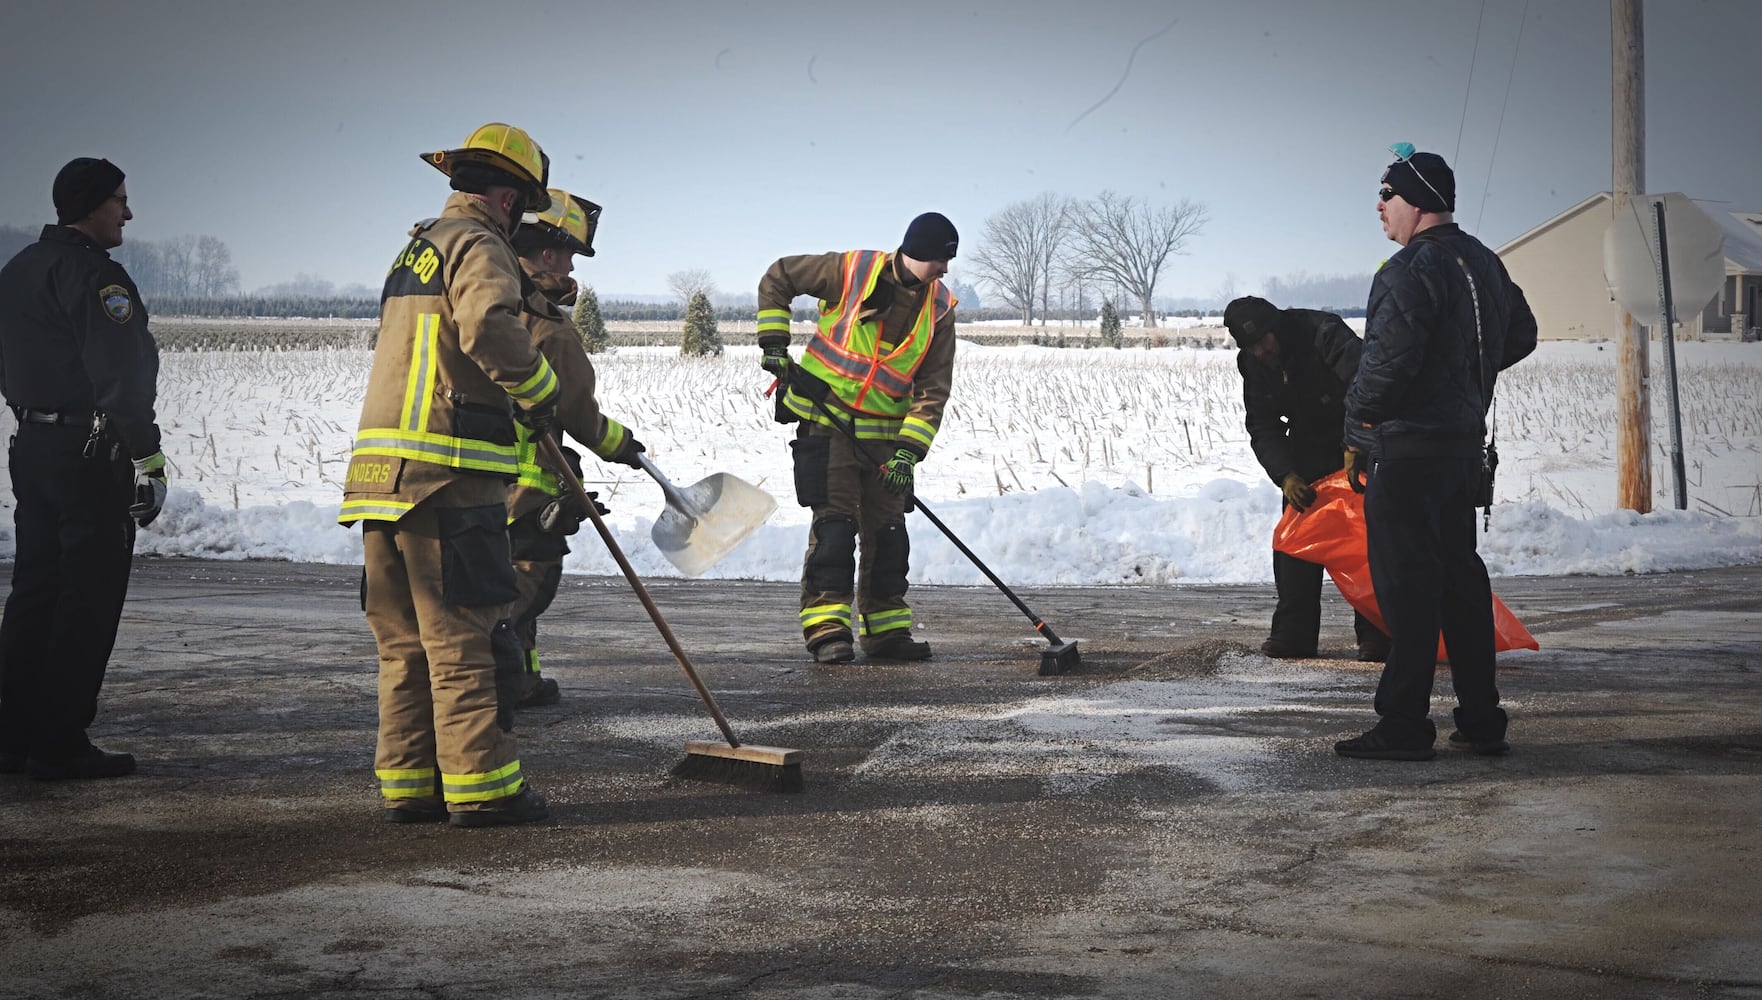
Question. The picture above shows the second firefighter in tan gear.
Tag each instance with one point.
(884, 350)
(428, 481)
(540, 512)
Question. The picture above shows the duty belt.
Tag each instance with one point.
(78, 418)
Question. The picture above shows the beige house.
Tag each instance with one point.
(1559, 265)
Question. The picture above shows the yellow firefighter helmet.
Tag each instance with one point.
(570, 220)
(507, 149)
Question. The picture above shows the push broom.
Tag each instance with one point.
(1059, 656)
(766, 769)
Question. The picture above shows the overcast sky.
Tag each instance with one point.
(721, 135)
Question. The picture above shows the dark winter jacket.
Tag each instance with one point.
(74, 337)
(1422, 389)
(1294, 412)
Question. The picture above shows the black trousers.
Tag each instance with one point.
(1297, 616)
(69, 579)
(1419, 518)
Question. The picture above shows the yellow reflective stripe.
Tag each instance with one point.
(614, 439)
(441, 449)
(501, 783)
(532, 661)
(820, 614)
(406, 783)
(373, 509)
(540, 387)
(531, 473)
(920, 431)
(773, 321)
(887, 621)
(419, 381)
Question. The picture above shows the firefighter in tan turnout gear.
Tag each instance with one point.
(540, 512)
(882, 363)
(429, 480)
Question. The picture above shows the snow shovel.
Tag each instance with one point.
(706, 520)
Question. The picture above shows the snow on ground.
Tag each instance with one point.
(1056, 466)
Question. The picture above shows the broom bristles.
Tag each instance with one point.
(764, 769)
(752, 774)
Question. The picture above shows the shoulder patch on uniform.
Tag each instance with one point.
(119, 305)
(415, 271)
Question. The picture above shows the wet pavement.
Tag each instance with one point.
(1169, 821)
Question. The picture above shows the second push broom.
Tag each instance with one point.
(767, 769)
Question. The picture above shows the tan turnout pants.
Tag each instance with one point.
(434, 593)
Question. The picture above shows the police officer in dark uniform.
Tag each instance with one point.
(79, 370)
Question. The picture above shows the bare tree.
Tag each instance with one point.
(1121, 240)
(212, 272)
(1018, 248)
(178, 265)
(686, 284)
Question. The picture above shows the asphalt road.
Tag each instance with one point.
(1170, 821)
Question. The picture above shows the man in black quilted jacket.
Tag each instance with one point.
(1444, 319)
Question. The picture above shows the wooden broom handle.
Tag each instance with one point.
(554, 455)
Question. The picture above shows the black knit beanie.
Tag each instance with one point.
(82, 186)
(1250, 318)
(1425, 181)
(930, 237)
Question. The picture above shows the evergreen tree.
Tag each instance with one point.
(1110, 325)
(589, 324)
(701, 337)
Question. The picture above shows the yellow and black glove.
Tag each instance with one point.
(1298, 493)
(774, 356)
(896, 475)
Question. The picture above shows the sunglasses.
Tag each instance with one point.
(1386, 193)
(1404, 152)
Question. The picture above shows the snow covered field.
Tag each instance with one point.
(1056, 466)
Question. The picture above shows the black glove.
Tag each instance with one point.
(1298, 493)
(775, 356)
(1357, 468)
(627, 452)
(540, 418)
(149, 489)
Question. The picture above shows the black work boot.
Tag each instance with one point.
(1374, 650)
(89, 763)
(1382, 744)
(13, 761)
(526, 807)
(539, 691)
(896, 644)
(417, 811)
(1279, 649)
(832, 647)
(1486, 739)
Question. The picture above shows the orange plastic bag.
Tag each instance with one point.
(1331, 532)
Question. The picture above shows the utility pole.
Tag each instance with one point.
(1633, 487)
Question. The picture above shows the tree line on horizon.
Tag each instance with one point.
(1027, 255)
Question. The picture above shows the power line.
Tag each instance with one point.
(1502, 105)
(1473, 57)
